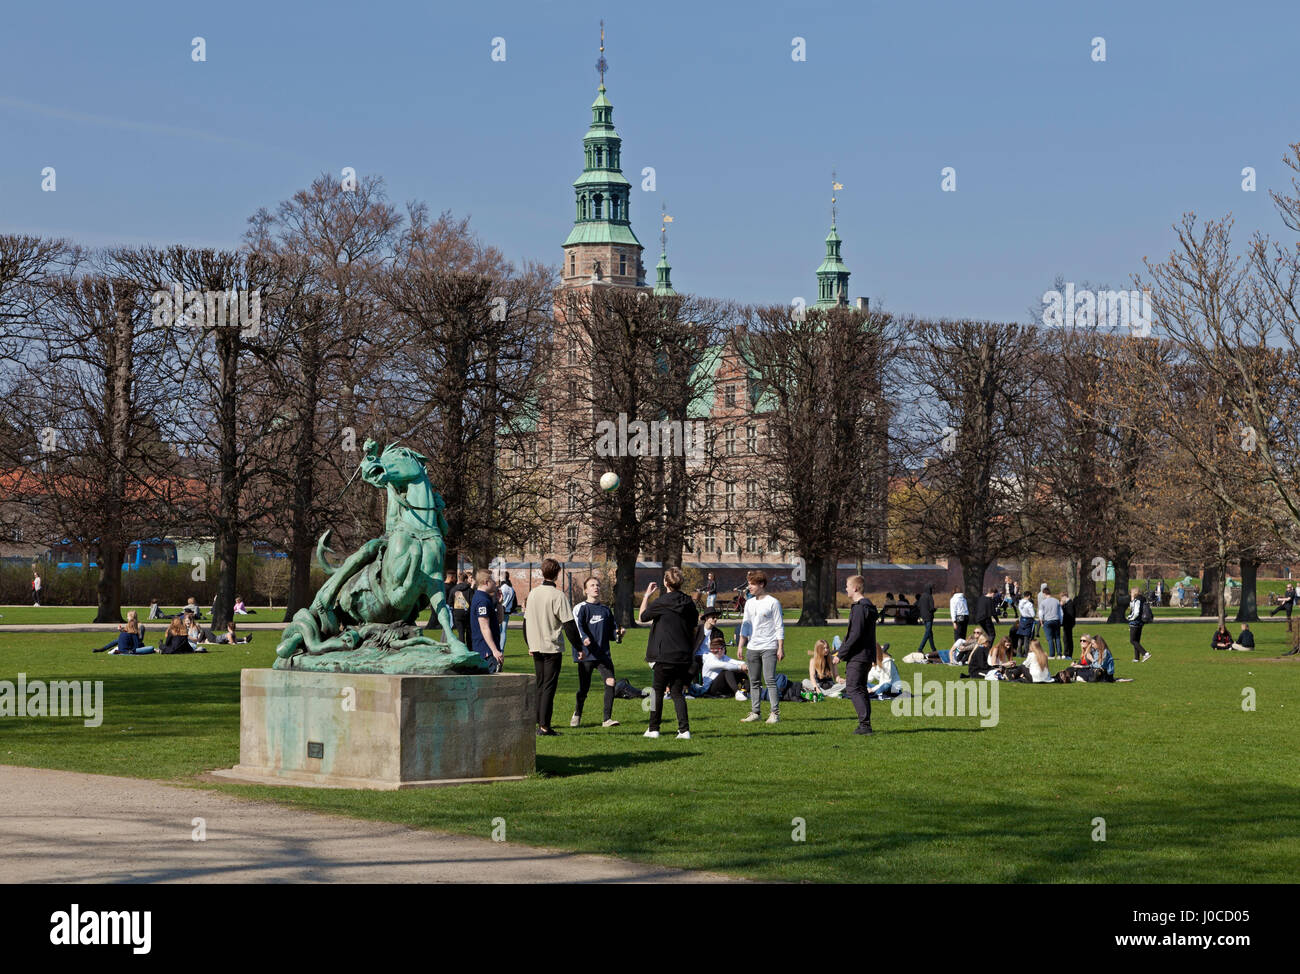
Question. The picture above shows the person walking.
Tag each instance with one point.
(766, 645)
(509, 605)
(673, 618)
(595, 624)
(548, 619)
(1049, 617)
(1136, 617)
(858, 652)
(959, 612)
(925, 608)
(36, 588)
(711, 592)
(485, 628)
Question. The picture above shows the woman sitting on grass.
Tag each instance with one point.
(1095, 665)
(1222, 639)
(1036, 663)
(178, 639)
(229, 638)
(883, 680)
(129, 640)
(823, 675)
(240, 608)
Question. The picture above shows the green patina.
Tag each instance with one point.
(363, 619)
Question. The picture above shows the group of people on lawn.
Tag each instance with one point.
(183, 635)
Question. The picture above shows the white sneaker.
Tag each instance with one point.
(575, 720)
(773, 719)
(610, 723)
(741, 695)
(749, 718)
(683, 735)
(1145, 657)
(650, 733)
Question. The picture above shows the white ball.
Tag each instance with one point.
(609, 481)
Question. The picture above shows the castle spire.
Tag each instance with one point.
(832, 275)
(663, 270)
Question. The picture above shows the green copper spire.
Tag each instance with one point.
(832, 275)
(663, 270)
(603, 195)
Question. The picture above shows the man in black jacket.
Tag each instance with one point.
(670, 648)
(858, 651)
(1069, 614)
(925, 607)
(985, 607)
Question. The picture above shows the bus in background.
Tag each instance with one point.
(139, 554)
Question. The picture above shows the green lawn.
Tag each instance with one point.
(23, 615)
(1192, 788)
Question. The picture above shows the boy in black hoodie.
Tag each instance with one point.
(858, 651)
(669, 648)
(925, 607)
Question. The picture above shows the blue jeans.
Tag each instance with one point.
(928, 637)
(505, 628)
(1054, 647)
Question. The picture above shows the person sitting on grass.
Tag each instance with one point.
(1246, 641)
(1222, 639)
(229, 637)
(883, 681)
(177, 639)
(155, 610)
(1001, 658)
(129, 638)
(1036, 663)
(722, 676)
(192, 606)
(1095, 663)
(241, 609)
(823, 675)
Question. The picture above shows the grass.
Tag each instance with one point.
(1192, 788)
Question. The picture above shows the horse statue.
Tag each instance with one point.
(363, 619)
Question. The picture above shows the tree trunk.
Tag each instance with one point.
(227, 521)
(972, 577)
(624, 586)
(813, 612)
(1248, 611)
(1119, 594)
(109, 588)
(304, 485)
(1211, 590)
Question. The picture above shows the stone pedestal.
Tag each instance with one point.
(384, 731)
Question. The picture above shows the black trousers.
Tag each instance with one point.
(855, 675)
(726, 683)
(959, 627)
(1135, 639)
(671, 677)
(585, 668)
(547, 668)
(460, 622)
(1067, 640)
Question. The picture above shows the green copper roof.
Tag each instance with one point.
(663, 277)
(601, 232)
(832, 275)
(601, 177)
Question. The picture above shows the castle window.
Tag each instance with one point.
(751, 438)
(573, 261)
(729, 396)
(571, 538)
(751, 494)
(729, 439)
(596, 206)
(731, 498)
(622, 263)
(729, 542)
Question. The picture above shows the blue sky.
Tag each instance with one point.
(1064, 165)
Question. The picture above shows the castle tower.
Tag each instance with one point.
(601, 246)
(832, 275)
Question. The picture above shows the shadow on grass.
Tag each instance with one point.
(555, 766)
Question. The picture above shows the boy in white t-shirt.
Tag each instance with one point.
(766, 645)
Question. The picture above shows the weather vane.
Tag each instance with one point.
(834, 188)
(663, 228)
(602, 64)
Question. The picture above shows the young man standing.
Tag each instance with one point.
(711, 592)
(766, 645)
(548, 618)
(858, 651)
(1068, 616)
(984, 611)
(1049, 615)
(509, 604)
(595, 624)
(485, 626)
(669, 648)
(959, 611)
(1136, 606)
